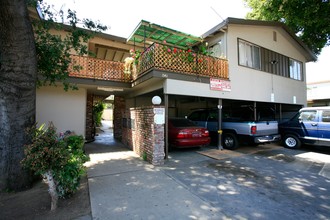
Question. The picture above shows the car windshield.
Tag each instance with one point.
(181, 122)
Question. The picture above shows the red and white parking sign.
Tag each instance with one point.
(220, 85)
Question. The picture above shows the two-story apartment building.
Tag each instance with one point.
(237, 63)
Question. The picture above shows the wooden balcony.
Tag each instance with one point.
(156, 57)
(93, 68)
(162, 57)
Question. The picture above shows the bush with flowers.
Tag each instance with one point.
(136, 54)
(57, 158)
(190, 55)
(172, 56)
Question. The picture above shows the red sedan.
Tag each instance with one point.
(184, 133)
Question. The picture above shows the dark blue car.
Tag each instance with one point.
(310, 126)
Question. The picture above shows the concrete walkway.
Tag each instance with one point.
(123, 186)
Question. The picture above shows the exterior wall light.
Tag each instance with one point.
(156, 100)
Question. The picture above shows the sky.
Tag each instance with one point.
(192, 17)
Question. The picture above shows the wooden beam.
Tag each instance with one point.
(110, 48)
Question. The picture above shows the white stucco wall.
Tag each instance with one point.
(67, 110)
(247, 83)
(250, 84)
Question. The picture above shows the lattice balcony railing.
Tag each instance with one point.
(93, 68)
(161, 57)
(158, 57)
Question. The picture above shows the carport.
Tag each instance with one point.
(182, 106)
(174, 105)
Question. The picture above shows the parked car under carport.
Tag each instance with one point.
(183, 133)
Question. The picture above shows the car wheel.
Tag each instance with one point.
(291, 141)
(230, 141)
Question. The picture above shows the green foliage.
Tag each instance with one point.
(309, 19)
(191, 55)
(202, 49)
(98, 111)
(69, 177)
(63, 155)
(144, 156)
(46, 151)
(54, 50)
(136, 54)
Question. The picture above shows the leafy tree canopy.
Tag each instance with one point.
(54, 50)
(309, 19)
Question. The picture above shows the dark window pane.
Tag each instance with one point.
(178, 122)
(326, 116)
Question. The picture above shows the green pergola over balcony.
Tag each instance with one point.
(147, 33)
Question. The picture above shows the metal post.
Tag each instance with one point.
(275, 111)
(144, 37)
(255, 111)
(219, 124)
(166, 126)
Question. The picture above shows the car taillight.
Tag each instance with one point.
(182, 134)
(253, 129)
(205, 133)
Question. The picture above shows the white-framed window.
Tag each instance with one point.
(217, 50)
(295, 69)
(249, 54)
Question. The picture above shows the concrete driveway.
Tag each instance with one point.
(265, 182)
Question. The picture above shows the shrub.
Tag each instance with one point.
(69, 177)
(58, 159)
(98, 111)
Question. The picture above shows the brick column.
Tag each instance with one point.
(145, 135)
(159, 145)
(118, 116)
(89, 135)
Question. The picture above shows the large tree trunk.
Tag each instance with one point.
(18, 68)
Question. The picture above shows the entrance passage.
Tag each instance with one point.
(104, 133)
